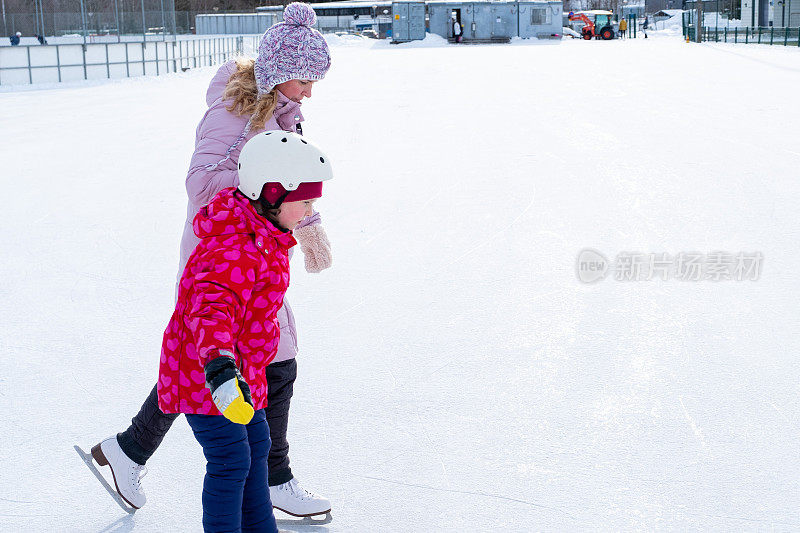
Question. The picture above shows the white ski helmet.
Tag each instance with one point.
(280, 157)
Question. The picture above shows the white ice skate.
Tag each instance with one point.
(293, 499)
(127, 474)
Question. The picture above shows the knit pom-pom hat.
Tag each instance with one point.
(291, 50)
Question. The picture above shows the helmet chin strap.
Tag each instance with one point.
(265, 205)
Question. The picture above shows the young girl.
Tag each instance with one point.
(224, 331)
(244, 98)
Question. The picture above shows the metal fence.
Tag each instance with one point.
(88, 17)
(70, 62)
(130, 22)
(759, 35)
(109, 22)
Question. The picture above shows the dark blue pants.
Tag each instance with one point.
(235, 490)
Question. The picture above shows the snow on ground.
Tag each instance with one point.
(455, 375)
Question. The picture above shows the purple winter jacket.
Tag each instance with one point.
(216, 133)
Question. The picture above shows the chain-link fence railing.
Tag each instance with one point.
(120, 17)
(85, 17)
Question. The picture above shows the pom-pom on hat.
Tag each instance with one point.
(291, 50)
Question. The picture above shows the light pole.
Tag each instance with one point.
(699, 25)
(163, 23)
(116, 16)
(5, 25)
(83, 22)
(41, 15)
(36, 16)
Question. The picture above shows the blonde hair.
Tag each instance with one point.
(242, 92)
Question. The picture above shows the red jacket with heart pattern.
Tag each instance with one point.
(228, 299)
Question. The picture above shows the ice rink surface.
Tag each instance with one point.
(454, 374)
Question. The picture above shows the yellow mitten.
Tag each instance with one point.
(229, 390)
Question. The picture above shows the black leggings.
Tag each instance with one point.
(148, 427)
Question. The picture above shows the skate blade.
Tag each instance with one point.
(87, 459)
(305, 521)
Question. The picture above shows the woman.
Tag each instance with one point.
(244, 98)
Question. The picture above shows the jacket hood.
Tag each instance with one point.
(230, 213)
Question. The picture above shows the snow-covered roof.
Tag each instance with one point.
(344, 4)
(470, 1)
(228, 15)
(333, 5)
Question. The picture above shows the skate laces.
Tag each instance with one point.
(137, 473)
(300, 492)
